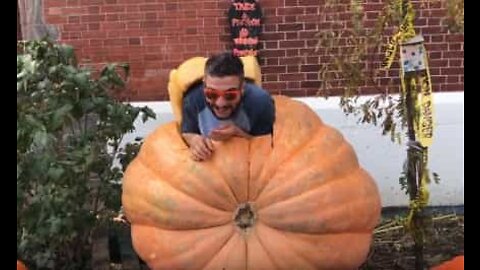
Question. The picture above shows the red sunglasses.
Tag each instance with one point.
(229, 95)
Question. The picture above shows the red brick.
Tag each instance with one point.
(433, 21)
(455, 63)
(453, 54)
(291, 11)
(434, 71)
(434, 55)
(151, 7)
(71, 3)
(93, 9)
(290, 27)
(114, 26)
(171, 6)
(136, 8)
(293, 69)
(454, 46)
(437, 47)
(271, 45)
(131, 16)
(293, 85)
(56, 3)
(271, 78)
(56, 19)
(451, 71)
(431, 30)
(291, 44)
(73, 19)
(313, 84)
(311, 10)
(438, 79)
(92, 18)
(452, 87)
(420, 21)
(91, 2)
(95, 42)
(309, 68)
(274, 69)
(372, 6)
(270, 28)
(311, 26)
(273, 36)
(454, 38)
(112, 9)
(152, 24)
(94, 35)
(453, 79)
(312, 76)
(74, 27)
(438, 63)
(133, 25)
(271, 86)
(437, 38)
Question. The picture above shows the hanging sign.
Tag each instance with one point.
(245, 19)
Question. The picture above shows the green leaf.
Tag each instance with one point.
(55, 173)
(59, 116)
(148, 113)
(81, 80)
(40, 139)
(67, 54)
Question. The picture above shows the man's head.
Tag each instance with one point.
(223, 83)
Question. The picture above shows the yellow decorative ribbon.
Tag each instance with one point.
(406, 31)
(425, 124)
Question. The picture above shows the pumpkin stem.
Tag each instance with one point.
(244, 216)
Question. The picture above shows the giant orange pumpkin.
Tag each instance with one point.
(294, 200)
(297, 200)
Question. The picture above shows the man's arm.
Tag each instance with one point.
(200, 147)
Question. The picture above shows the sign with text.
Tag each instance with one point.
(245, 18)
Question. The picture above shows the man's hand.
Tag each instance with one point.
(201, 148)
(227, 131)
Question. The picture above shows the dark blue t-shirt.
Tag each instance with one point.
(254, 115)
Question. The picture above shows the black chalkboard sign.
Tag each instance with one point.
(245, 18)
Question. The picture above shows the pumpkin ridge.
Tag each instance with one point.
(354, 200)
(230, 188)
(207, 262)
(262, 244)
(276, 188)
(292, 250)
(233, 237)
(326, 232)
(150, 202)
(172, 259)
(190, 195)
(171, 172)
(289, 157)
(300, 243)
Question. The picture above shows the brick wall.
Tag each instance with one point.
(156, 36)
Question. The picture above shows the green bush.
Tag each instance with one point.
(69, 160)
